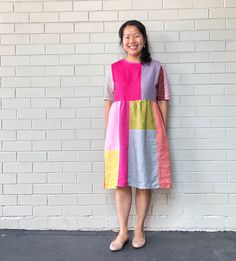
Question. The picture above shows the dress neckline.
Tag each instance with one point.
(124, 59)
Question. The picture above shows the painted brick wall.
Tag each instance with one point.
(53, 60)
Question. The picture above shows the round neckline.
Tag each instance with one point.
(131, 62)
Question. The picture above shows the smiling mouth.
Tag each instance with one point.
(133, 47)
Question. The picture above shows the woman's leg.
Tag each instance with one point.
(142, 201)
(123, 198)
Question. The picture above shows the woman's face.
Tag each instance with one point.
(132, 41)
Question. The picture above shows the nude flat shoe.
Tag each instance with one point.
(116, 246)
(138, 243)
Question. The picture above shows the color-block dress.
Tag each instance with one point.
(136, 150)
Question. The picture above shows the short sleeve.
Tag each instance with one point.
(109, 86)
(162, 86)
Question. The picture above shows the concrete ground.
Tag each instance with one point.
(29, 245)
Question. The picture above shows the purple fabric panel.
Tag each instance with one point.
(148, 80)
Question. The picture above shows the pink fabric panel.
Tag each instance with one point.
(112, 132)
(166, 85)
(124, 144)
(164, 168)
(127, 80)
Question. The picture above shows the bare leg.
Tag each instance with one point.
(142, 200)
(123, 198)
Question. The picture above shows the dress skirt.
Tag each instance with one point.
(136, 151)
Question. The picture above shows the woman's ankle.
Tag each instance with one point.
(124, 232)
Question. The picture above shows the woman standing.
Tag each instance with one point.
(136, 152)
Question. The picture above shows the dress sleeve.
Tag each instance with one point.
(109, 86)
(162, 86)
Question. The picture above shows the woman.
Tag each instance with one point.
(136, 152)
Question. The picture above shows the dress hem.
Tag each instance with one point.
(139, 187)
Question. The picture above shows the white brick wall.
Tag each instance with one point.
(53, 59)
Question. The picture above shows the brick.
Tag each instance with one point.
(45, 103)
(73, 16)
(57, 6)
(43, 17)
(77, 210)
(59, 49)
(179, 46)
(87, 5)
(171, 4)
(61, 178)
(47, 167)
(230, 3)
(126, 15)
(163, 14)
(209, 3)
(75, 38)
(45, 38)
(210, 46)
(60, 135)
(15, 103)
(62, 156)
(40, 211)
(194, 35)
(7, 156)
(204, 24)
(89, 69)
(7, 179)
(17, 60)
(46, 124)
(77, 188)
(46, 145)
(76, 145)
(16, 124)
(31, 135)
(60, 113)
(58, 27)
(17, 189)
(74, 59)
(193, 13)
(63, 199)
(29, 92)
(103, 16)
(181, 25)
(228, 34)
(77, 167)
(17, 211)
(222, 12)
(32, 200)
(7, 7)
(15, 39)
(28, 28)
(7, 114)
(31, 178)
(14, 18)
(7, 135)
(31, 156)
(28, 7)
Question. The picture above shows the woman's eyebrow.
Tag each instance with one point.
(130, 34)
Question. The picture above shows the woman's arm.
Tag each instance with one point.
(163, 105)
(107, 109)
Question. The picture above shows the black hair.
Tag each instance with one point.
(145, 54)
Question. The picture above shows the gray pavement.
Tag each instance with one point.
(32, 245)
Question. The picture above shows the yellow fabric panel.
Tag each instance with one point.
(111, 161)
(141, 115)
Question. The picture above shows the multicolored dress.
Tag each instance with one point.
(136, 150)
